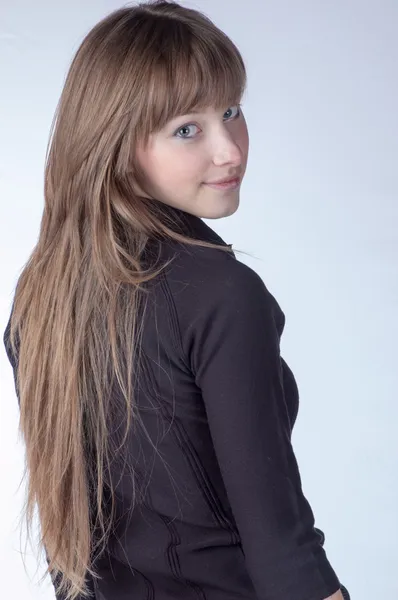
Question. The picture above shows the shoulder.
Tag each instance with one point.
(213, 272)
(208, 280)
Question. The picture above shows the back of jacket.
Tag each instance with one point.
(219, 512)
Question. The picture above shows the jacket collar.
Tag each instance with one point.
(182, 222)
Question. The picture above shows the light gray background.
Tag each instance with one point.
(318, 214)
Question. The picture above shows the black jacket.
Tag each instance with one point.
(220, 512)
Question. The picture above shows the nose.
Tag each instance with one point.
(227, 151)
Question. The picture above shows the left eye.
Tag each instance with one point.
(232, 108)
(184, 131)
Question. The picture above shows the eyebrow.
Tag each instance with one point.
(192, 113)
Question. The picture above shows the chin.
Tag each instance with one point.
(220, 210)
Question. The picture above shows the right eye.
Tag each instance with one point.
(185, 127)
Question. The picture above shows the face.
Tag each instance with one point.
(182, 162)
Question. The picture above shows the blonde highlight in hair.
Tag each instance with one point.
(75, 326)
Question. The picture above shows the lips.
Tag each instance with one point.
(222, 181)
(231, 184)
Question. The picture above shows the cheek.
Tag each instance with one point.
(170, 165)
(180, 165)
(243, 139)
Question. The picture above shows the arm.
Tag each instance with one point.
(234, 350)
(337, 596)
(342, 594)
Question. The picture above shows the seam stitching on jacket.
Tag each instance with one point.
(203, 481)
(173, 319)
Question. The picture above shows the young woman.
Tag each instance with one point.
(155, 406)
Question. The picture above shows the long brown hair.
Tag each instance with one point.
(71, 325)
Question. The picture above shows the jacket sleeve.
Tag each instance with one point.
(234, 354)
